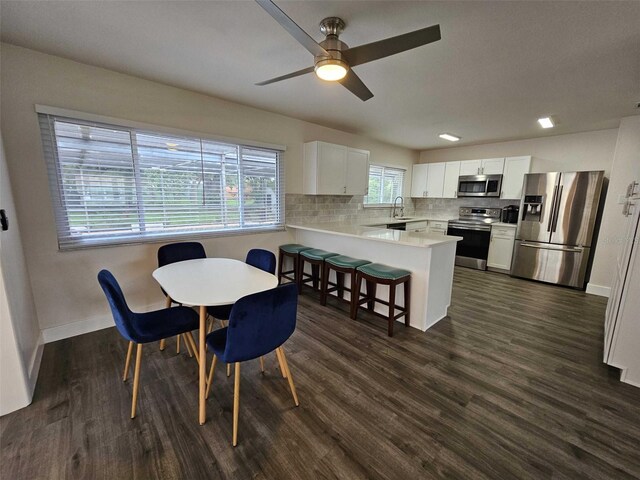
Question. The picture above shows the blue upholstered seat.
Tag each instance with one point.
(140, 328)
(145, 327)
(256, 257)
(178, 252)
(258, 324)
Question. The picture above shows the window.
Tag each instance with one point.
(385, 184)
(113, 184)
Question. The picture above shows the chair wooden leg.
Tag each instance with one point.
(127, 362)
(228, 370)
(282, 369)
(210, 379)
(236, 404)
(262, 364)
(136, 380)
(167, 304)
(188, 345)
(289, 377)
(192, 341)
(177, 344)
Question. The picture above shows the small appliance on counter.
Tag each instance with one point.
(510, 214)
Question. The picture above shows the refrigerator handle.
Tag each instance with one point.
(557, 210)
(553, 208)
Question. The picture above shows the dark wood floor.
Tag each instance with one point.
(511, 385)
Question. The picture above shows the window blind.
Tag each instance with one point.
(114, 184)
(385, 184)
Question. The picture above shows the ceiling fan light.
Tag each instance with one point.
(331, 69)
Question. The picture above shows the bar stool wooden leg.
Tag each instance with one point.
(315, 275)
(371, 294)
(280, 260)
(407, 301)
(392, 307)
(355, 304)
(340, 282)
(324, 284)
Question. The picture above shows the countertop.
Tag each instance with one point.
(391, 221)
(397, 237)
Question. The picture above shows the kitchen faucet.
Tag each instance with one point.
(393, 212)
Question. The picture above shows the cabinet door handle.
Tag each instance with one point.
(345, 189)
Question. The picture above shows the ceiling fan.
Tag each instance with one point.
(334, 60)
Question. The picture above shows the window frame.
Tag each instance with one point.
(384, 167)
(67, 241)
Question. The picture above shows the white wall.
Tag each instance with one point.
(578, 151)
(625, 168)
(64, 284)
(20, 346)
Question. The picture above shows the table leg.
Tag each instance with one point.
(203, 362)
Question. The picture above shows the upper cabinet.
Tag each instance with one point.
(513, 177)
(330, 169)
(451, 174)
(419, 180)
(487, 166)
(427, 180)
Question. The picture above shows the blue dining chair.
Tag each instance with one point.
(259, 323)
(259, 258)
(140, 328)
(179, 252)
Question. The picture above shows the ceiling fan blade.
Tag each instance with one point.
(288, 75)
(391, 46)
(292, 27)
(353, 83)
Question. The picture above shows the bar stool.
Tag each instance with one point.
(341, 264)
(291, 250)
(378, 274)
(315, 257)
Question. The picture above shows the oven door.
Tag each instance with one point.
(472, 251)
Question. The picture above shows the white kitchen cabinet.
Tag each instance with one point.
(427, 180)
(435, 180)
(357, 171)
(501, 248)
(492, 166)
(438, 226)
(451, 174)
(419, 180)
(470, 167)
(330, 169)
(513, 177)
(486, 166)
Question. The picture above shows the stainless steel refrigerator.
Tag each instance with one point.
(555, 228)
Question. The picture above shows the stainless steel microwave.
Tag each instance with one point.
(479, 185)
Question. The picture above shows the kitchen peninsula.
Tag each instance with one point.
(428, 256)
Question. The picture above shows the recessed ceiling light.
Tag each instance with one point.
(546, 122)
(448, 136)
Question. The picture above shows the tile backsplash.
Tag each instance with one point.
(342, 208)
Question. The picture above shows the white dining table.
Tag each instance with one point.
(207, 282)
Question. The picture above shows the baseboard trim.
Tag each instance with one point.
(598, 290)
(626, 378)
(34, 366)
(68, 330)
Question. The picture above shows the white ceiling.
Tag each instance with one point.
(498, 67)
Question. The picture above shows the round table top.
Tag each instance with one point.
(212, 281)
